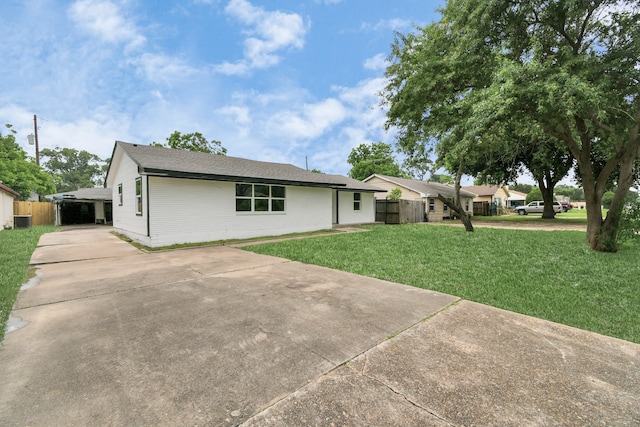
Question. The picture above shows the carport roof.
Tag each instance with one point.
(96, 193)
(161, 161)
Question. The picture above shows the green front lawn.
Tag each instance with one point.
(16, 247)
(550, 275)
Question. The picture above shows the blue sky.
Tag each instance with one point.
(276, 81)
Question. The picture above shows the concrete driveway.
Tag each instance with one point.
(217, 336)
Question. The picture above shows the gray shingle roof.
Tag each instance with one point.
(189, 164)
(428, 188)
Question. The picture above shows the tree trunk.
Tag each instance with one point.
(456, 204)
(547, 197)
(603, 235)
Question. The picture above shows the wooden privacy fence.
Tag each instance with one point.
(41, 212)
(399, 211)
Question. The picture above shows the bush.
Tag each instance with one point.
(395, 194)
(629, 229)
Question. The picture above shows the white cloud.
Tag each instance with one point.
(160, 68)
(309, 121)
(377, 62)
(394, 24)
(267, 32)
(104, 19)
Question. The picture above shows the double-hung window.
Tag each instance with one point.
(356, 201)
(139, 196)
(120, 194)
(260, 198)
(432, 205)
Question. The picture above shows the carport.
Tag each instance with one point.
(83, 206)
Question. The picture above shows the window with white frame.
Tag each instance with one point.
(260, 198)
(120, 194)
(139, 196)
(432, 205)
(356, 201)
(466, 205)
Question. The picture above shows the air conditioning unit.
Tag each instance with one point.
(22, 221)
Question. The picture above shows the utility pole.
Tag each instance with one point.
(35, 128)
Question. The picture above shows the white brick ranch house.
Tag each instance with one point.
(163, 196)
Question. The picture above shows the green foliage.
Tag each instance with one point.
(395, 194)
(375, 158)
(314, 170)
(523, 188)
(630, 223)
(552, 276)
(73, 169)
(607, 198)
(574, 194)
(16, 247)
(442, 178)
(20, 173)
(501, 85)
(193, 142)
(534, 194)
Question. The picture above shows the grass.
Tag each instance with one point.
(549, 275)
(16, 247)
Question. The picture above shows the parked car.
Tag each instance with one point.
(566, 206)
(537, 207)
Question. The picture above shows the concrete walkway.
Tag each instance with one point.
(218, 336)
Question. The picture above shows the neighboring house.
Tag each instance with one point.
(498, 194)
(83, 206)
(516, 199)
(163, 196)
(423, 190)
(7, 196)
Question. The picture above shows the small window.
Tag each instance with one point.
(120, 194)
(466, 205)
(356, 201)
(432, 205)
(445, 207)
(139, 196)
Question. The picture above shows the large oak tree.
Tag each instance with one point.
(569, 69)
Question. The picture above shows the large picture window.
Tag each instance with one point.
(260, 198)
(139, 196)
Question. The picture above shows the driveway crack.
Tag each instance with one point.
(406, 399)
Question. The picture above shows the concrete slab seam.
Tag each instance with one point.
(34, 264)
(349, 360)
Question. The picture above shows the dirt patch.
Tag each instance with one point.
(519, 225)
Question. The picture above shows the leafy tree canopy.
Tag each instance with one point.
(442, 178)
(534, 195)
(374, 158)
(192, 142)
(20, 173)
(557, 81)
(523, 188)
(73, 169)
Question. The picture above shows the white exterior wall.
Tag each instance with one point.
(125, 220)
(191, 211)
(347, 215)
(6, 210)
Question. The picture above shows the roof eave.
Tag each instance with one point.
(234, 178)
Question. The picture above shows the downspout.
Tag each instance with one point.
(148, 208)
